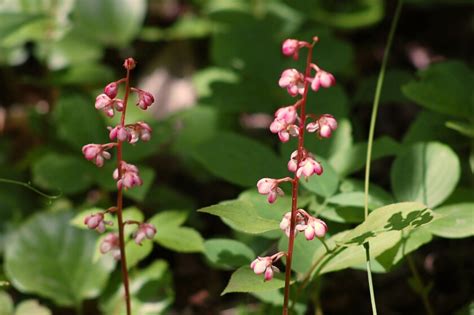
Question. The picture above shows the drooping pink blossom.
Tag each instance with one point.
(293, 81)
(287, 114)
(95, 222)
(291, 47)
(322, 78)
(111, 89)
(139, 130)
(121, 133)
(110, 243)
(315, 227)
(285, 224)
(145, 99)
(128, 177)
(264, 265)
(95, 153)
(269, 187)
(308, 167)
(324, 125)
(145, 230)
(104, 103)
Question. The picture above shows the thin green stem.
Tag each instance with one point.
(28, 185)
(419, 283)
(373, 120)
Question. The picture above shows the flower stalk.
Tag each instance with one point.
(290, 121)
(127, 175)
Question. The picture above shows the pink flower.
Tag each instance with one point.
(291, 47)
(315, 227)
(308, 167)
(110, 243)
(111, 89)
(96, 153)
(128, 176)
(145, 230)
(292, 163)
(104, 103)
(120, 133)
(95, 222)
(145, 99)
(324, 126)
(322, 78)
(286, 114)
(264, 265)
(293, 81)
(285, 224)
(129, 63)
(139, 130)
(269, 186)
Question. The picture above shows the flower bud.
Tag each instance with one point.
(129, 63)
(111, 89)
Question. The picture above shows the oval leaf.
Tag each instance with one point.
(457, 221)
(227, 253)
(49, 257)
(426, 172)
(245, 280)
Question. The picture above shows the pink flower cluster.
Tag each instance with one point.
(127, 175)
(264, 265)
(306, 223)
(290, 121)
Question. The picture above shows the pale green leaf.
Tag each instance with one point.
(456, 221)
(245, 280)
(227, 253)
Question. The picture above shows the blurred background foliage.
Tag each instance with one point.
(213, 66)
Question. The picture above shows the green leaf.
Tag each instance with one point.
(403, 216)
(70, 114)
(325, 184)
(445, 88)
(353, 159)
(242, 216)
(237, 159)
(303, 252)
(245, 280)
(6, 303)
(30, 307)
(227, 253)
(391, 90)
(180, 239)
(89, 73)
(355, 199)
(169, 218)
(425, 172)
(48, 257)
(136, 253)
(97, 20)
(342, 214)
(151, 292)
(67, 174)
(456, 221)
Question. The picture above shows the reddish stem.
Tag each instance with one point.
(295, 182)
(125, 277)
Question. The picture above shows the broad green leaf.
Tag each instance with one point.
(425, 172)
(272, 211)
(445, 88)
(180, 239)
(353, 159)
(303, 252)
(245, 280)
(136, 253)
(345, 257)
(151, 292)
(64, 173)
(32, 307)
(325, 184)
(403, 216)
(48, 257)
(456, 221)
(343, 214)
(89, 73)
(6, 303)
(169, 218)
(97, 20)
(237, 159)
(227, 253)
(430, 126)
(203, 79)
(70, 114)
(242, 215)
(355, 199)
